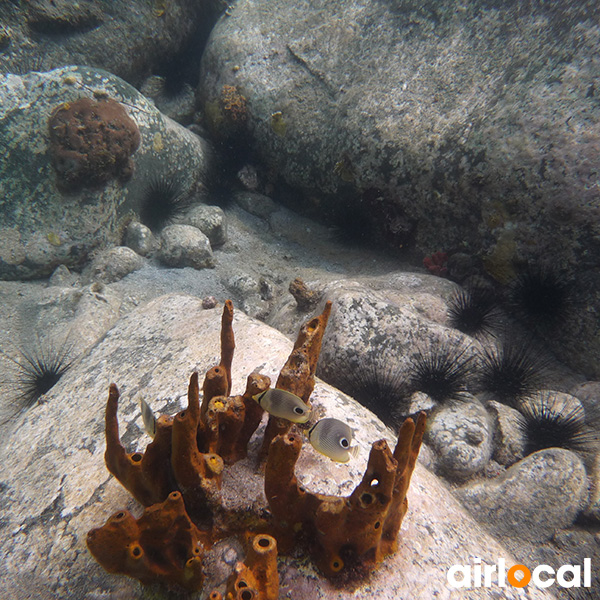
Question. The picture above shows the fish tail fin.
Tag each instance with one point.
(354, 450)
(148, 418)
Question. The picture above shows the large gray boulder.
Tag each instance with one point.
(534, 498)
(477, 125)
(430, 127)
(126, 38)
(45, 222)
(55, 486)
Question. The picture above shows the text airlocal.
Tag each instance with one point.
(543, 576)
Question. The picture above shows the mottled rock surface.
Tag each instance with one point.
(126, 38)
(55, 486)
(533, 498)
(461, 435)
(43, 226)
(185, 246)
(427, 127)
(113, 264)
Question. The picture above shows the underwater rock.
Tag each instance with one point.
(63, 228)
(60, 16)
(210, 220)
(543, 492)
(424, 149)
(490, 147)
(179, 104)
(461, 436)
(46, 34)
(185, 246)
(374, 338)
(112, 265)
(56, 488)
(62, 277)
(509, 441)
(256, 204)
(140, 239)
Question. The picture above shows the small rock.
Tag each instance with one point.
(509, 441)
(113, 264)
(209, 302)
(461, 436)
(140, 239)
(248, 176)
(244, 284)
(256, 204)
(533, 498)
(210, 220)
(185, 246)
(62, 277)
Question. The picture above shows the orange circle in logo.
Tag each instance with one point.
(518, 582)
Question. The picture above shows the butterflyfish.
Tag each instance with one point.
(148, 418)
(332, 438)
(286, 405)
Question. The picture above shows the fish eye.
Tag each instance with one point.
(344, 443)
(298, 410)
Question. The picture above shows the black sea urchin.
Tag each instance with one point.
(37, 370)
(511, 372)
(163, 200)
(541, 297)
(547, 424)
(379, 387)
(443, 371)
(474, 311)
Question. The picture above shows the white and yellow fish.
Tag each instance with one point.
(332, 438)
(283, 404)
(148, 418)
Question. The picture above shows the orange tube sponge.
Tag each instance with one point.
(217, 381)
(148, 476)
(354, 531)
(257, 577)
(163, 545)
(298, 373)
(198, 474)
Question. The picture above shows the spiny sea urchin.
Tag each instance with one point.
(37, 371)
(379, 387)
(443, 371)
(163, 200)
(541, 297)
(474, 311)
(511, 371)
(548, 423)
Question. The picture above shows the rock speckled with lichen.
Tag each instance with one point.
(472, 129)
(55, 486)
(126, 38)
(43, 226)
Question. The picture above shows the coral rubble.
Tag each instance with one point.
(179, 478)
